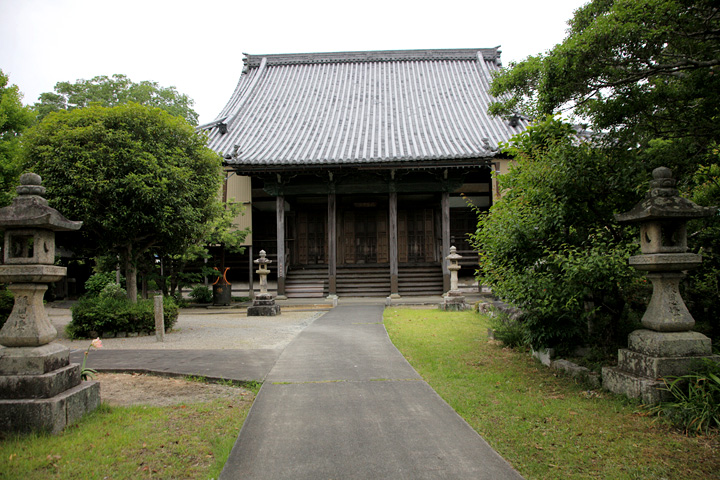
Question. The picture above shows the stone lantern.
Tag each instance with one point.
(667, 346)
(39, 388)
(264, 303)
(454, 299)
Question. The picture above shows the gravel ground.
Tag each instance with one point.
(205, 329)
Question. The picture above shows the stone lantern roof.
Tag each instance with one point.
(663, 202)
(30, 210)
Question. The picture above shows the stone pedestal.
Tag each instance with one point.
(40, 390)
(263, 306)
(652, 355)
(454, 301)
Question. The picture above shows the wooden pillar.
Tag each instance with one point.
(280, 209)
(445, 215)
(394, 289)
(332, 244)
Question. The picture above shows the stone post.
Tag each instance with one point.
(39, 388)
(159, 318)
(666, 346)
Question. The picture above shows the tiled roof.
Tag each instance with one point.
(361, 108)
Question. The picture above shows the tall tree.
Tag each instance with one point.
(136, 176)
(638, 70)
(112, 91)
(14, 119)
(646, 75)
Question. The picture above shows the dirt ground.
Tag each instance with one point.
(122, 389)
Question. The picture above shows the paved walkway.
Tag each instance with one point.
(341, 402)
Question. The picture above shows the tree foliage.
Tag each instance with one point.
(112, 91)
(14, 119)
(646, 68)
(643, 73)
(551, 247)
(136, 176)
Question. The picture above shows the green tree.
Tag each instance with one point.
(112, 91)
(14, 119)
(645, 73)
(637, 69)
(136, 176)
(551, 246)
(219, 231)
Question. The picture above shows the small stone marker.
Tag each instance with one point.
(159, 319)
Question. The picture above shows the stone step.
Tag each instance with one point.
(40, 386)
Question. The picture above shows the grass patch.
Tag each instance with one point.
(543, 423)
(182, 441)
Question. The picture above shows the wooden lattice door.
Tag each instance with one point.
(311, 238)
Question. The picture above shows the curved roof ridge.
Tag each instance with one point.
(252, 61)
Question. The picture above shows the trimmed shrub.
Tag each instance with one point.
(201, 294)
(104, 315)
(95, 284)
(7, 300)
(113, 290)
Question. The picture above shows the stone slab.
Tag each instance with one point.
(655, 367)
(648, 390)
(33, 360)
(669, 344)
(49, 414)
(40, 386)
(263, 311)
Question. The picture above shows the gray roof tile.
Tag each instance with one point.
(361, 108)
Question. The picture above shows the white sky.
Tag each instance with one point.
(197, 45)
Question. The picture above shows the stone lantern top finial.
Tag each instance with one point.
(663, 183)
(663, 202)
(30, 184)
(30, 210)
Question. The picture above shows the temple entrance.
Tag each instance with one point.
(311, 237)
(416, 235)
(366, 241)
(364, 234)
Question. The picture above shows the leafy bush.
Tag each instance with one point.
(6, 305)
(201, 294)
(103, 315)
(509, 330)
(696, 407)
(95, 284)
(551, 247)
(113, 290)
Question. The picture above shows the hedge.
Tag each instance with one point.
(107, 316)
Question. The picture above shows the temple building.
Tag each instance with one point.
(359, 169)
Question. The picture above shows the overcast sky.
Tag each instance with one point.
(197, 45)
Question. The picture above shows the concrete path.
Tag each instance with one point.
(342, 403)
(236, 365)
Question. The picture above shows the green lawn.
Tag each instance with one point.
(543, 423)
(183, 441)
